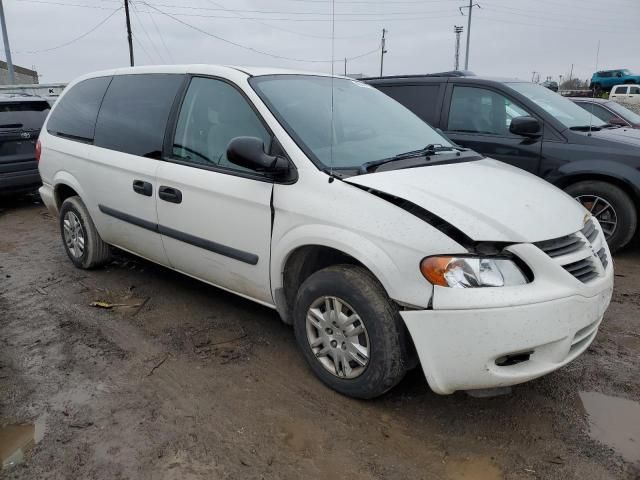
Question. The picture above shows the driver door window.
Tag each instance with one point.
(212, 114)
(482, 111)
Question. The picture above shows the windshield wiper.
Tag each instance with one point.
(430, 149)
(585, 128)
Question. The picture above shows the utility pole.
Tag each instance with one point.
(7, 49)
(571, 74)
(466, 53)
(533, 76)
(126, 11)
(345, 66)
(457, 30)
(382, 50)
(560, 84)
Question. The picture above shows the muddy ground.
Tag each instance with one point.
(184, 381)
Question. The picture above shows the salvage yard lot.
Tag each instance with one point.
(180, 380)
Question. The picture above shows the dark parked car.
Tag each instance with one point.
(551, 85)
(21, 118)
(533, 128)
(609, 111)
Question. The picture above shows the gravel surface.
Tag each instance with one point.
(184, 381)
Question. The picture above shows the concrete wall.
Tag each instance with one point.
(22, 75)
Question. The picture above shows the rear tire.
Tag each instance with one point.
(359, 293)
(624, 211)
(80, 238)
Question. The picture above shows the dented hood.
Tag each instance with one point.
(486, 199)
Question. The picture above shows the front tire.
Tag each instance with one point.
(80, 238)
(613, 208)
(350, 332)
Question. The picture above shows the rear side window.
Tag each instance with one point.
(599, 111)
(420, 99)
(134, 113)
(75, 113)
(634, 90)
(23, 115)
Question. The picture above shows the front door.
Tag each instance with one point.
(479, 118)
(214, 216)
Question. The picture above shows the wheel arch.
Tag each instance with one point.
(303, 253)
(65, 186)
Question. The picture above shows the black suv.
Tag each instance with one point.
(21, 118)
(533, 128)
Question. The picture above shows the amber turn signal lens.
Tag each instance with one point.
(434, 268)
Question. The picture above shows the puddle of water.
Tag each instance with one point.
(474, 468)
(16, 440)
(615, 422)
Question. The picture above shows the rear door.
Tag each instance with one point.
(479, 118)
(214, 216)
(121, 175)
(423, 99)
(20, 124)
(634, 94)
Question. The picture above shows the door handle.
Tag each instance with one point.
(170, 194)
(142, 187)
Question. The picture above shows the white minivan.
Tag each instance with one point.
(384, 245)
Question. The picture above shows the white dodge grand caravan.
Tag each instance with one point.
(382, 243)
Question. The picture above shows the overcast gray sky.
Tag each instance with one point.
(509, 37)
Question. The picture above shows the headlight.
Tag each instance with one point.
(471, 272)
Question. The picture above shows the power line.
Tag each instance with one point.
(46, 2)
(80, 37)
(382, 18)
(245, 47)
(137, 18)
(153, 20)
(276, 27)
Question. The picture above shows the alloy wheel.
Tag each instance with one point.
(602, 210)
(73, 234)
(338, 337)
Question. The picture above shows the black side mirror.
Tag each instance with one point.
(249, 152)
(525, 126)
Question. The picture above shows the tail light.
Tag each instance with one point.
(38, 150)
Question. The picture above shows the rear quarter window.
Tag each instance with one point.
(74, 115)
(135, 111)
(420, 99)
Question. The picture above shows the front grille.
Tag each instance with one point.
(561, 246)
(575, 252)
(590, 231)
(602, 255)
(584, 270)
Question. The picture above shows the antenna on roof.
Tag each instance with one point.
(333, 36)
(593, 94)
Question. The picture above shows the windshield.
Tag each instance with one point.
(624, 112)
(368, 125)
(563, 109)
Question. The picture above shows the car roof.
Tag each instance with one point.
(19, 97)
(444, 77)
(589, 99)
(204, 69)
